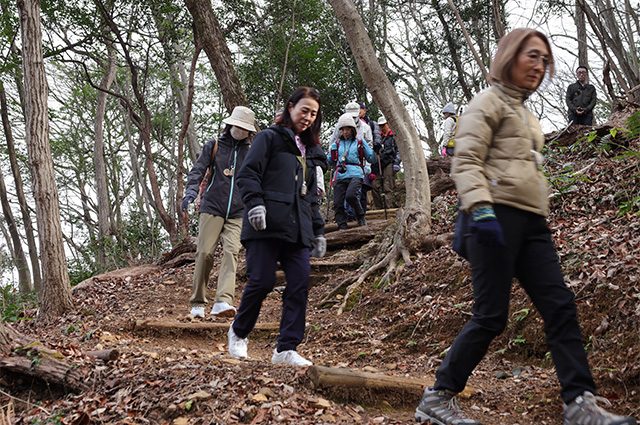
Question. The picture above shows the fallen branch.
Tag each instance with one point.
(409, 389)
(104, 355)
(171, 325)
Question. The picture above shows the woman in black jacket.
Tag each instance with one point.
(221, 211)
(283, 223)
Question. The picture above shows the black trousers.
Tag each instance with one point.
(531, 257)
(581, 119)
(349, 189)
(262, 261)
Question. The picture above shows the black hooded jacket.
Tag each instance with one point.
(272, 175)
(221, 197)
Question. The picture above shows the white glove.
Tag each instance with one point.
(258, 217)
(319, 246)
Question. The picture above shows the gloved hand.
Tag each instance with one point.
(377, 147)
(258, 217)
(319, 246)
(396, 168)
(486, 227)
(186, 200)
(488, 232)
(372, 177)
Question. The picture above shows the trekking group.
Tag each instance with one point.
(266, 198)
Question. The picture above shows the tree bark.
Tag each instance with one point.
(19, 187)
(210, 34)
(104, 209)
(56, 289)
(417, 209)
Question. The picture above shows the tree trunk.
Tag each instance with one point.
(469, 43)
(581, 35)
(179, 81)
(453, 52)
(215, 46)
(56, 289)
(19, 187)
(143, 123)
(19, 259)
(104, 238)
(417, 212)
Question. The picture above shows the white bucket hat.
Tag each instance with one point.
(382, 120)
(242, 117)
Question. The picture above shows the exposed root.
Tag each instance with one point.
(397, 250)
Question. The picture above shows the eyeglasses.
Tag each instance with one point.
(581, 72)
(535, 57)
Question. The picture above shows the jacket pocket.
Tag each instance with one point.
(279, 210)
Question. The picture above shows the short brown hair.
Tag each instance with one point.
(508, 49)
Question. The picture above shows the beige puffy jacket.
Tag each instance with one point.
(494, 162)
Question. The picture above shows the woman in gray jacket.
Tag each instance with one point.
(498, 173)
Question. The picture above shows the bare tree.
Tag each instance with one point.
(56, 289)
(414, 223)
(99, 162)
(210, 34)
(20, 260)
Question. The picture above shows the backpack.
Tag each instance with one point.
(207, 176)
(452, 142)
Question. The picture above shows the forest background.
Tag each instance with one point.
(118, 78)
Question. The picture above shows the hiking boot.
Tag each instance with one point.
(584, 410)
(289, 357)
(197, 312)
(362, 221)
(237, 345)
(223, 309)
(440, 407)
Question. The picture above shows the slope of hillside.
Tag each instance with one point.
(402, 328)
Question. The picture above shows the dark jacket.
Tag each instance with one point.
(317, 157)
(388, 152)
(578, 96)
(221, 197)
(272, 176)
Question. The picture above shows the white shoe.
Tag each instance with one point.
(197, 312)
(237, 345)
(223, 309)
(289, 357)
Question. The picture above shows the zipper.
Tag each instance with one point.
(233, 178)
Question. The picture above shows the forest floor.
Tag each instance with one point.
(401, 329)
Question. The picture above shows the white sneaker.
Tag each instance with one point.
(197, 312)
(237, 345)
(223, 309)
(289, 357)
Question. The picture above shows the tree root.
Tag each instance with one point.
(397, 250)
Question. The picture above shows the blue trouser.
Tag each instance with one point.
(262, 261)
(531, 257)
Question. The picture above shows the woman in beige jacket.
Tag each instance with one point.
(498, 173)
